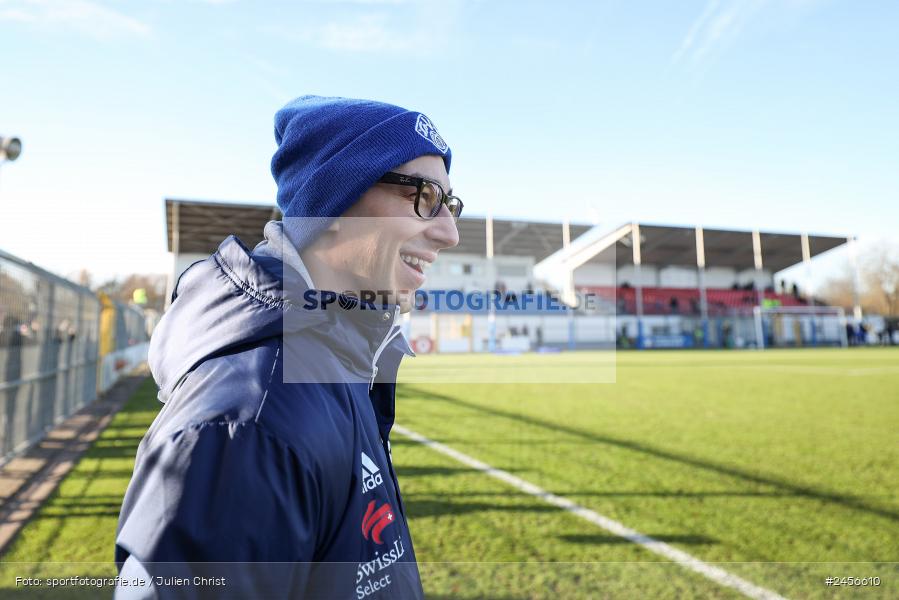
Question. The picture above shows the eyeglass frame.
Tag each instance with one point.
(392, 177)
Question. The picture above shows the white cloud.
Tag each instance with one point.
(369, 2)
(722, 21)
(362, 33)
(85, 16)
(426, 28)
(365, 33)
(719, 22)
(16, 14)
(268, 77)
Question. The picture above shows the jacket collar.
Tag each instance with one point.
(362, 335)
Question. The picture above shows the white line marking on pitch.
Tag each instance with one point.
(692, 563)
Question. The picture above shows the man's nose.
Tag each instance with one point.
(442, 230)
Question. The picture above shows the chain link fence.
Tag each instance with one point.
(49, 351)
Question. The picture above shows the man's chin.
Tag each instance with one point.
(405, 302)
(404, 298)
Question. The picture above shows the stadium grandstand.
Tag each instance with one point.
(654, 286)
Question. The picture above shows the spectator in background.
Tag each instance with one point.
(623, 340)
(727, 333)
(11, 332)
(11, 340)
(694, 306)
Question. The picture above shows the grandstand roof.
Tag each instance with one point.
(513, 238)
(201, 226)
(670, 245)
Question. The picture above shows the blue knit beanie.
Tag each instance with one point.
(331, 150)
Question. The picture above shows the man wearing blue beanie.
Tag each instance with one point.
(277, 367)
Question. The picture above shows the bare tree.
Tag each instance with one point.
(881, 280)
(879, 283)
(85, 278)
(123, 290)
(837, 290)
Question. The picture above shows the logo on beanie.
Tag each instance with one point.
(426, 129)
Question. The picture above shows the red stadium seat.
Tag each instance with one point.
(660, 300)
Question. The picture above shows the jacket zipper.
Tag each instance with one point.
(396, 483)
(387, 338)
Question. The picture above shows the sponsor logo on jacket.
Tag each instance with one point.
(371, 474)
(369, 578)
(375, 520)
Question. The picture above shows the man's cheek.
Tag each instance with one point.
(386, 273)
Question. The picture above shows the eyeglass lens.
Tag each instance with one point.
(431, 198)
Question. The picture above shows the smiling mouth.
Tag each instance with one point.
(417, 263)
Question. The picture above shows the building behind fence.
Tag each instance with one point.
(60, 346)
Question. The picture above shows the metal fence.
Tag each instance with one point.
(49, 351)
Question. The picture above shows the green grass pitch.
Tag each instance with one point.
(779, 467)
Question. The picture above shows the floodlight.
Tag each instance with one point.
(10, 148)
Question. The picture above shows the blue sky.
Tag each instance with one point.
(776, 114)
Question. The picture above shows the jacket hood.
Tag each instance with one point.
(227, 300)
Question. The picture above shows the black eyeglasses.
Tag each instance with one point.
(429, 195)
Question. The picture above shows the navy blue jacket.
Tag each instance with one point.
(272, 448)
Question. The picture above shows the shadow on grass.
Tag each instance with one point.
(436, 508)
(411, 471)
(787, 487)
(611, 494)
(462, 597)
(105, 474)
(119, 440)
(113, 452)
(81, 506)
(70, 513)
(72, 500)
